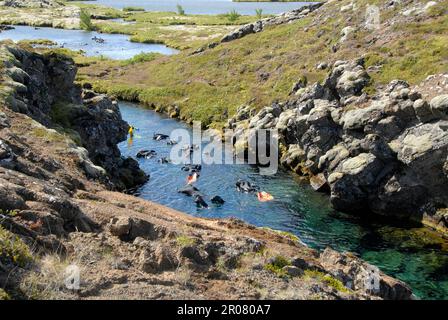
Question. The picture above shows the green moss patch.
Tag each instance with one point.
(327, 279)
(277, 264)
(185, 241)
(13, 250)
(4, 295)
(133, 9)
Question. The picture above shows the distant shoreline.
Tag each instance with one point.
(270, 1)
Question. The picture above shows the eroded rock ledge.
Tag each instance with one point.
(126, 247)
(386, 153)
(282, 18)
(42, 87)
(260, 25)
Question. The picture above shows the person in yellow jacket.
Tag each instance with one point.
(131, 131)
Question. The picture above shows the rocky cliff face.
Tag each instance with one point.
(385, 153)
(54, 217)
(42, 87)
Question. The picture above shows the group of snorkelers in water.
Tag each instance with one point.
(194, 172)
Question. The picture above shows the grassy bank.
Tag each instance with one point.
(179, 30)
(270, 1)
(261, 68)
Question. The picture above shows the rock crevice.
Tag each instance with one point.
(42, 87)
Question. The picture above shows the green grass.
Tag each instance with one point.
(9, 213)
(38, 42)
(141, 57)
(85, 21)
(209, 86)
(127, 9)
(327, 279)
(233, 16)
(13, 251)
(185, 241)
(277, 265)
(285, 234)
(101, 11)
(173, 18)
(79, 58)
(174, 29)
(178, 34)
(4, 295)
(180, 10)
(58, 135)
(61, 115)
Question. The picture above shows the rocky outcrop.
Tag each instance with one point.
(42, 86)
(36, 82)
(383, 154)
(359, 275)
(259, 25)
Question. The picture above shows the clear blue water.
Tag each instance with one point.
(203, 6)
(115, 46)
(402, 253)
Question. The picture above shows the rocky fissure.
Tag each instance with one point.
(385, 153)
(125, 247)
(42, 86)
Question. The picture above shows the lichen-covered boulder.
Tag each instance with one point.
(439, 106)
(423, 150)
(348, 78)
(351, 181)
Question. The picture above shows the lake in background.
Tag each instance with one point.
(204, 6)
